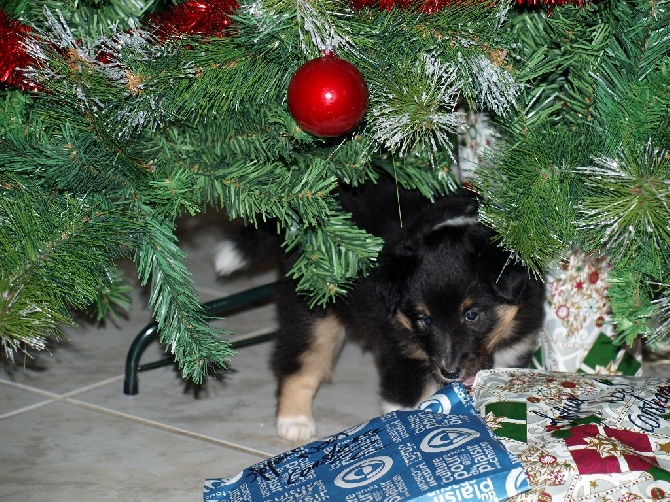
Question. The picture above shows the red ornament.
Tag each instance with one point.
(13, 56)
(327, 96)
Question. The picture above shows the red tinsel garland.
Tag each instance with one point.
(427, 6)
(13, 55)
(432, 6)
(195, 17)
(551, 3)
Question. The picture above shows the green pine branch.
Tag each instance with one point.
(530, 195)
(624, 213)
(332, 256)
(145, 130)
(557, 55)
(90, 19)
(56, 254)
(632, 97)
(112, 300)
(584, 160)
(182, 325)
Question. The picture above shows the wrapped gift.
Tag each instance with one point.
(441, 452)
(475, 141)
(578, 335)
(582, 437)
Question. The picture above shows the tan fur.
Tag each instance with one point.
(417, 352)
(466, 304)
(297, 390)
(422, 309)
(506, 322)
(403, 320)
(412, 349)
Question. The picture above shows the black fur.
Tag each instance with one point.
(443, 303)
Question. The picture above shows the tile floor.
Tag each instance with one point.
(70, 434)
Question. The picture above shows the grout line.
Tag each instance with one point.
(26, 409)
(56, 396)
(68, 398)
(93, 386)
(52, 397)
(33, 390)
(169, 428)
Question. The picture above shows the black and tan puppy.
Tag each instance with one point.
(443, 303)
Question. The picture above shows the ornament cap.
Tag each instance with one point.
(328, 50)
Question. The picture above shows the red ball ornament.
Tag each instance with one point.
(327, 96)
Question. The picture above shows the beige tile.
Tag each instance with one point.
(241, 408)
(90, 354)
(66, 453)
(94, 353)
(13, 399)
(83, 439)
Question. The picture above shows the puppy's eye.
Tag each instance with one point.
(471, 315)
(424, 321)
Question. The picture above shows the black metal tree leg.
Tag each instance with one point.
(215, 308)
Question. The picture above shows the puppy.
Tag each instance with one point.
(443, 303)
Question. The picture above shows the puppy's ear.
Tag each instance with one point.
(456, 210)
(511, 284)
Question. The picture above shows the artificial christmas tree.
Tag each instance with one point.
(117, 116)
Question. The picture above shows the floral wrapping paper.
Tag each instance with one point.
(582, 437)
(578, 335)
(475, 139)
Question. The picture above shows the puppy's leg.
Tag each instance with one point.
(297, 389)
(404, 382)
(430, 387)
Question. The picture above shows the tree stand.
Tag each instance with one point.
(220, 307)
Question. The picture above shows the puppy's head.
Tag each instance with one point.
(455, 296)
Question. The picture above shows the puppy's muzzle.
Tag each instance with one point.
(456, 369)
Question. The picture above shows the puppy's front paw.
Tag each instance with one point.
(299, 428)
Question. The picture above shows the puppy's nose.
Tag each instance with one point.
(450, 375)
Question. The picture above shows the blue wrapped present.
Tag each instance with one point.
(441, 452)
